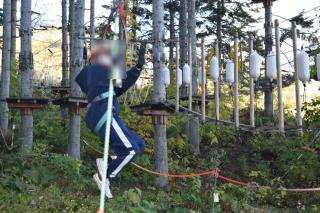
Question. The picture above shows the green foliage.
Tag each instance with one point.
(312, 111)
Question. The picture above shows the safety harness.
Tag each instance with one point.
(103, 118)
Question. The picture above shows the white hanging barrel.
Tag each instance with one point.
(303, 66)
(318, 66)
(255, 65)
(166, 76)
(179, 76)
(186, 78)
(271, 66)
(214, 68)
(230, 72)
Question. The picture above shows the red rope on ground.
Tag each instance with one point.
(214, 173)
(211, 172)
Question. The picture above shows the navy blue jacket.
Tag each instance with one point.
(93, 81)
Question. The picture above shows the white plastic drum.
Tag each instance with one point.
(166, 76)
(255, 65)
(186, 78)
(271, 66)
(230, 72)
(214, 68)
(303, 66)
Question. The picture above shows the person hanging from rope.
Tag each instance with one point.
(93, 82)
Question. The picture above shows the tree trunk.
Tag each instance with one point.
(268, 93)
(194, 130)
(64, 48)
(26, 66)
(193, 42)
(5, 74)
(71, 30)
(92, 21)
(13, 31)
(219, 31)
(183, 40)
(172, 35)
(160, 136)
(77, 64)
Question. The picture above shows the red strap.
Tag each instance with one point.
(121, 9)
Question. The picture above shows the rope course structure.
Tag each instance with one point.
(161, 111)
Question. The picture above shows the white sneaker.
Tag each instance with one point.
(99, 184)
(99, 162)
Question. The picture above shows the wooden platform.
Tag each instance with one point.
(27, 105)
(197, 98)
(71, 101)
(62, 91)
(154, 109)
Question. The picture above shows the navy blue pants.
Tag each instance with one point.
(125, 143)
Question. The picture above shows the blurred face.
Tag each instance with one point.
(100, 54)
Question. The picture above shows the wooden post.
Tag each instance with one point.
(236, 84)
(252, 121)
(279, 77)
(160, 134)
(217, 85)
(92, 22)
(177, 77)
(297, 83)
(203, 83)
(5, 74)
(191, 79)
(77, 64)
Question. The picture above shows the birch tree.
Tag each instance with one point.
(5, 74)
(26, 66)
(77, 64)
(160, 134)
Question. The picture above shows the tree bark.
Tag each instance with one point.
(194, 123)
(160, 136)
(193, 42)
(268, 93)
(26, 67)
(172, 35)
(64, 48)
(183, 40)
(219, 31)
(77, 64)
(71, 30)
(13, 31)
(5, 74)
(92, 22)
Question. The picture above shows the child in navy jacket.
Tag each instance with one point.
(94, 83)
